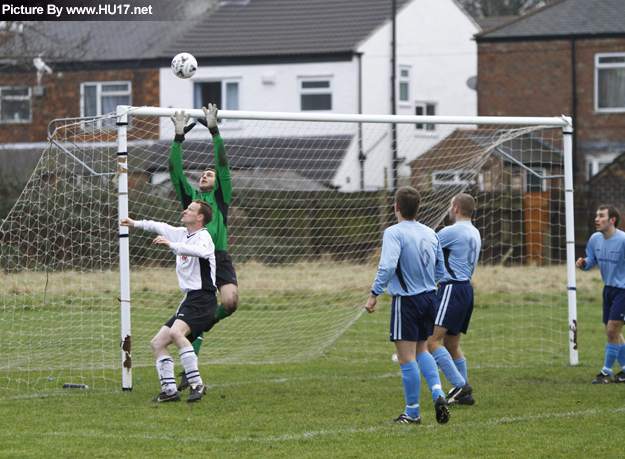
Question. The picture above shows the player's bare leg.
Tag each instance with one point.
(229, 297)
(434, 341)
(452, 343)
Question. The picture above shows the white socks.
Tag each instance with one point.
(165, 369)
(189, 363)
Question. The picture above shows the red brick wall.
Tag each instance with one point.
(524, 79)
(62, 97)
(608, 187)
(592, 126)
(534, 78)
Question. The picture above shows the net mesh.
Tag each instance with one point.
(310, 203)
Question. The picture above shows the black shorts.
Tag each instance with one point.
(197, 310)
(225, 271)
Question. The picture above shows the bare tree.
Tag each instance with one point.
(22, 41)
(486, 8)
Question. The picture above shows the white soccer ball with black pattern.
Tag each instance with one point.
(184, 65)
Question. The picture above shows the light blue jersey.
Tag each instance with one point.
(411, 261)
(609, 254)
(461, 244)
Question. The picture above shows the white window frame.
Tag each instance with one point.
(594, 162)
(100, 94)
(457, 178)
(598, 67)
(28, 97)
(224, 96)
(427, 129)
(540, 170)
(309, 91)
(404, 80)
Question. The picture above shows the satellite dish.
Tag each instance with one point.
(472, 83)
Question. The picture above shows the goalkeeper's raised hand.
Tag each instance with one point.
(211, 118)
(180, 121)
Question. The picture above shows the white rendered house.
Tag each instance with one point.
(332, 57)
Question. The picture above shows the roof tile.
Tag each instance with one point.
(565, 17)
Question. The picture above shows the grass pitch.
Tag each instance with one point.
(338, 405)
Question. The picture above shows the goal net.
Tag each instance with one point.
(310, 203)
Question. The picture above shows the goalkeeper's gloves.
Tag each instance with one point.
(211, 119)
(180, 121)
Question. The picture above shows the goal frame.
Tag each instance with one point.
(124, 111)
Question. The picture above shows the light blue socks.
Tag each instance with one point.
(411, 378)
(428, 368)
(611, 353)
(461, 365)
(446, 364)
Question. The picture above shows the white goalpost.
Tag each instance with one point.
(312, 195)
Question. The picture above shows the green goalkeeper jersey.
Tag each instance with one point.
(219, 199)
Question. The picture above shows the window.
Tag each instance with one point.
(404, 84)
(100, 98)
(316, 94)
(425, 109)
(610, 82)
(224, 93)
(445, 179)
(15, 104)
(595, 163)
(535, 183)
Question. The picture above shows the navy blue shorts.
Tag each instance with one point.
(613, 304)
(454, 306)
(412, 317)
(197, 310)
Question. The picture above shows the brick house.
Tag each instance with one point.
(93, 71)
(295, 59)
(565, 58)
(607, 187)
(466, 162)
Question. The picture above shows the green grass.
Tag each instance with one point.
(332, 406)
(290, 313)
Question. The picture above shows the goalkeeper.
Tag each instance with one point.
(216, 191)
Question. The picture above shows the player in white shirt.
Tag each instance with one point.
(195, 268)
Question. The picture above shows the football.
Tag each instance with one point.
(184, 65)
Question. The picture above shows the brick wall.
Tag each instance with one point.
(607, 187)
(534, 78)
(62, 97)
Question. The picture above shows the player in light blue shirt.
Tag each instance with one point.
(461, 243)
(403, 243)
(606, 248)
(410, 263)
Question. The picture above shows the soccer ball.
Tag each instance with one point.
(184, 65)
